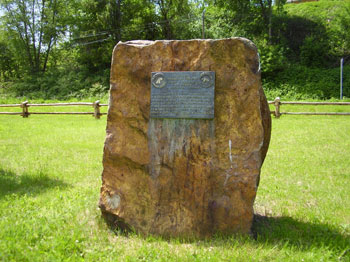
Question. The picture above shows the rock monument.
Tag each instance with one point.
(188, 129)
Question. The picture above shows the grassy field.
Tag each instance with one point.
(50, 176)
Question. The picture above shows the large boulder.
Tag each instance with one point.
(184, 177)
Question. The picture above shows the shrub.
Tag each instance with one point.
(61, 84)
(272, 57)
(302, 82)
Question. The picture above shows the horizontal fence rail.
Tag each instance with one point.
(97, 113)
(277, 103)
(25, 109)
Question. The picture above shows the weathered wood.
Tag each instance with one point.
(277, 104)
(64, 113)
(311, 103)
(317, 103)
(64, 104)
(24, 107)
(12, 105)
(54, 104)
(317, 113)
(61, 113)
(11, 113)
(51, 113)
(97, 112)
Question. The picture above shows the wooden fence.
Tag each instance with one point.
(25, 109)
(277, 103)
(97, 114)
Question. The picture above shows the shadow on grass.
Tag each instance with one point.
(277, 232)
(281, 231)
(32, 184)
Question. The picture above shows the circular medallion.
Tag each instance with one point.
(158, 80)
(206, 79)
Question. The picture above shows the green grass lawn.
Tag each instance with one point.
(50, 177)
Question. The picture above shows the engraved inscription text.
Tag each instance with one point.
(188, 94)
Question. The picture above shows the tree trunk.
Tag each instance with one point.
(270, 20)
(168, 34)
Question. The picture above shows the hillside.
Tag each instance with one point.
(315, 35)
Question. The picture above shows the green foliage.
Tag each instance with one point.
(314, 52)
(62, 85)
(272, 58)
(7, 63)
(301, 82)
(171, 12)
(78, 38)
(343, 39)
(98, 25)
(254, 16)
(219, 23)
(316, 30)
(33, 29)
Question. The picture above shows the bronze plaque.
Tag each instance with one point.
(183, 94)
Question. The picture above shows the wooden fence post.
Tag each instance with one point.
(277, 104)
(24, 106)
(97, 113)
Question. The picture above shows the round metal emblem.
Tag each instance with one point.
(158, 80)
(206, 79)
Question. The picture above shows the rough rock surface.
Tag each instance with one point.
(184, 177)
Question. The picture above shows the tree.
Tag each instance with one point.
(255, 16)
(33, 28)
(169, 13)
(97, 26)
(7, 64)
(345, 29)
(8, 67)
